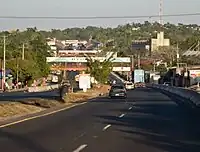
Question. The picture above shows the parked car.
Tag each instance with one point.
(118, 91)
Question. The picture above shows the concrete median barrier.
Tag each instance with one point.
(190, 95)
(43, 88)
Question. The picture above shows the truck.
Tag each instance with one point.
(139, 77)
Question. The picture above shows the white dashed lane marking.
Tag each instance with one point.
(122, 115)
(106, 127)
(80, 148)
(83, 134)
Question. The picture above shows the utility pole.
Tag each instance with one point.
(139, 60)
(2, 73)
(132, 63)
(17, 73)
(65, 71)
(177, 54)
(4, 62)
(23, 51)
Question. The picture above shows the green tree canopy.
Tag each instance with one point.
(36, 50)
(99, 70)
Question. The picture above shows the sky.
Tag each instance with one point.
(68, 8)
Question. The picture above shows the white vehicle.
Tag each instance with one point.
(129, 85)
(167, 83)
(54, 79)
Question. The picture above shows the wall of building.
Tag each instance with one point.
(159, 41)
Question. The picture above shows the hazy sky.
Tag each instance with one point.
(91, 8)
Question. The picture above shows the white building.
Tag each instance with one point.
(52, 44)
(159, 41)
(74, 42)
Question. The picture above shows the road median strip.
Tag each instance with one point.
(25, 109)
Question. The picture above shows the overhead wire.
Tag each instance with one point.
(96, 17)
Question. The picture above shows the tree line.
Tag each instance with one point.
(36, 49)
(33, 65)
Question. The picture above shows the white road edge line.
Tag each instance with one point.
(106, 127)
(130, 108)
(80, 148)
(122, 115)
(39, 116)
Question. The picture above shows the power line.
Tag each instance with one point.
(96, 17)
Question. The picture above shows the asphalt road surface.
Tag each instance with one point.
(13, 96)
(21, 95)
(148, 121)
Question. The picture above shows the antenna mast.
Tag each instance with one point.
(161, 12)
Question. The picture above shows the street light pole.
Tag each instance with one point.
(17, 73)
(4, 61)
(23, 51)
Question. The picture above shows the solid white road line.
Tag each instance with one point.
(39, 116)
(106, 127)
(130, 108)
(122, 115)
(80, 148)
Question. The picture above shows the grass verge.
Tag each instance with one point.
(21, 108)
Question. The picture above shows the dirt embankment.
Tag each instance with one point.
(29, 106)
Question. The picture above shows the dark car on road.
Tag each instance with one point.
(118, 91)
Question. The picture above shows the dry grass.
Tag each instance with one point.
(82, 96)
(21, 108)
(44, 103)
(17, 109)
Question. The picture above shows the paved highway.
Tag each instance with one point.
(147, 121)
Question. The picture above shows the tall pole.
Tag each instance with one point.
(132, 62)
(139, 60)
(177, 54)
(2, 84)
(17, 73)
(65, 71)
(23, 51)
(4, 61)
(161, 12)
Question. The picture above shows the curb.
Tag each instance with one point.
(192, 97)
